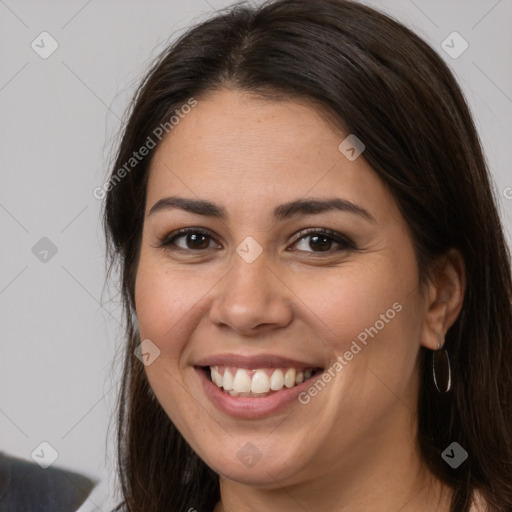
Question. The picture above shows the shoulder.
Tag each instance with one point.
(24, 485)
(102, 497)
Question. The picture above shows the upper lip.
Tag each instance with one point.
(254, 361)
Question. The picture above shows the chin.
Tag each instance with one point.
(265, 472)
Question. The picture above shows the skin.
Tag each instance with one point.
(352, 447)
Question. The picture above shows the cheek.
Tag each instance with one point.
(162, 298)
(165, 302)
(156, 306)
(367, 315)
(346, 302)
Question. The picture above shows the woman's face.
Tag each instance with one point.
(260, 288)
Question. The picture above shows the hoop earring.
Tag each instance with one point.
(440, 360)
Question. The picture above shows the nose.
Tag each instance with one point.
(251, 299)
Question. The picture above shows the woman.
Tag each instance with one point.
(315, 278)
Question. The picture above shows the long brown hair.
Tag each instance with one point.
(379, 80)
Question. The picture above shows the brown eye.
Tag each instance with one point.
(196, 241)
(322, 240)
(191, 239)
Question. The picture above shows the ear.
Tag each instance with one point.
(444, 297)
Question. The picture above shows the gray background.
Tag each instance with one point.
(59, 119)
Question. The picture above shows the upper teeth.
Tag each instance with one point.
(242, 380)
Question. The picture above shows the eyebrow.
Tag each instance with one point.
(281, 212)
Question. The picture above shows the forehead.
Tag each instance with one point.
(246, 151)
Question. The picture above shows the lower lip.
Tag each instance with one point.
(246, 407)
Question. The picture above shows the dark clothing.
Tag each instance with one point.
(26, 487)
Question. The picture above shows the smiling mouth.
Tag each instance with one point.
(261, 382)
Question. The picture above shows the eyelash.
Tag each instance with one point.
(168, 241)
